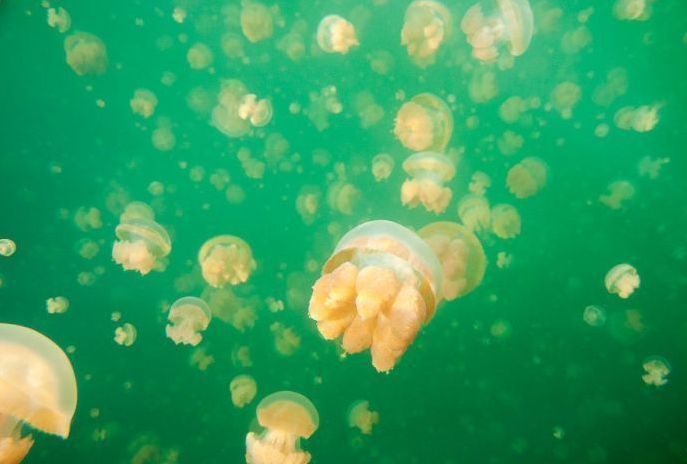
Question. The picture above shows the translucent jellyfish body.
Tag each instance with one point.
(424, 123)
(238, 111)
(257, 21)
(428, 173)
(257, 112)
(622, 280)
(286, 417)
(360, 417)
(427, 24)
(527, 177)
(461, 255)
(140, 244)
(510, 25)
(594, 315)
(143, 103)
(505, 221)
(243, 389)
(60, 19)
(382, 166)
(125, 335)
(639, 119)
(379, 286)
(474, 212)
(336, 35)
(86, 54)
(57, 305)
(308, 203)
(632, 10)
(7, 247)
(188, 318)
(37, 388)
(657, 369)
(226, 259)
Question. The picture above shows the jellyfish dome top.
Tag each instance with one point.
(428, 171)
(141, 243)
(424, 123)
(381, 283)
(226, 259)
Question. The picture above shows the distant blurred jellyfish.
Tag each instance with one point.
(428, 173)
(594, 315)
(226, 259)
(622, 280)
(243, 389)
(57, 305)
(86, 54)
(336, 35)
(7, 247)
(474, 212)
(505, 221)
(360, 417)
(657, 369)
(424, 123)
(618, 193)
(125, 335)
(426, 26)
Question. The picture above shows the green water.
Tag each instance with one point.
(552, 389)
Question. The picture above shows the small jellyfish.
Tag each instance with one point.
(632, 10)
(243, 389)
(382, 166)
(639, 119)
(257, 112)
(37, 388)
(594, 315)
(336, 35)
(226, 259)
(505, 221)
(360, 417)
(474, 212)
(141, 244)
(188, 317)
(240, 356)
(257, 21)
(564, 97)
(143, 103)
(308, 203)
(479, 183)
(125, 335)
(426, 25)
(379, 286)
(286, 340)
(657, 369)
(622, 280)
(200, 359)
(462, 257)
(199, 56)
(424, 123)
(618, 193)
(527, 177)
(429, 172)
(60, 19)
(86, 54)
(57, 305)
(7, 247)
(343, 197)
(504, 260)
(287, 417)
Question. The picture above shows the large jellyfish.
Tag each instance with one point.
(511, 24)
(243, 389)
(474, 212)
(86, 54)
(461, 255)
(286, 417)
(188, 317)
(226, 259)
(622, 280)
(37, 388)
(336, 35)
(424, 123)
(427, 24)
(527, 177)
(360, 417)
(141, 243)
(505, 221)
(379, 286)
(428, 171)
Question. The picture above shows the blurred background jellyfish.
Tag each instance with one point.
(343, 197)
(594, 315)
(225, 114)
(462, 257)
(632, 10)
(336, 35)
(287, 417)
(505, 221)
(622, 280)
(37, 388)
(188, 317)
(59, 18)
(510, 25)
(617, 194)
(527, 177)
(7, 247)
(286, 340)
(639, 119)
(86, 54)
(360, 417)
(257, 112)
(479, 183)
(141, 243)
(199, 56)
(125, 335)
(308, 203)
(57, 305)
(243, 389)
(257, 21)
(424, 123)
(657, 369)
(143, 103)
(429, 172)
(381, 283)
(474, 212)
(426, 25)
(226, 259)
(382, 166)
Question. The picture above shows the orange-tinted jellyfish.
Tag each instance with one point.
(424, 123)
(226, 259)
(140, 243)
(428, 173)
(426, 26)
(188, 318)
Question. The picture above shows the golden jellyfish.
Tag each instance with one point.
(143, 103)
(657, 369)
(461, 255)
(564, 97)
(200, 359)
(141, 245)
(7, 247)
(639, 119)
(240, 356)
(505, 221)
(243, 389)
(426, 26)
(188, 318)
(622, 280)
(510, 142)
(293, 43)
(428, 173)
(527, 177)
(162, 137)
(424, 123)
(86, 54)
(287, 417)
(87, 218)
(594, 315)
(382, 166)
(474, 212)
(482, 87)
(308, 203)
(343, 197)
(336, 35)
(360, 417)
(511, 26)
(614, 86)
(379, 286)
(57, 305)
(651, 167)
(257, 112)
(226, 259)
(618, 193)
(225, 115)
(125, 335)
(479, 183)
(286, 340)
(199, 56)
(367, 109)
(321, 105)
(632, 10)
(257, 21)
(59, 18)
(238, 311)
(37, 388)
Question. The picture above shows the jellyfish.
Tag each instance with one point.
(343, 197)
(503, 260)
(505, 221)
(428, 171)
(379, 286)
(143, 103)
(293, 43)
(360, 417)
(426, 26)
(240, 356)
(613, 87)
(424, 123)
(225, 305)
(479, 183)
(162, 137)
(243, 389)
(37, 387)
(125, 335)
(86, 54)
(257, 21)
(257, 112)
(308, 203)
(287, 417)
(87, 218)
(321, 105)
(137, 210)
(474, 212)
(482, 87)
(622, 280)
(594, 315)
(225, 115)
(511, 26)
(7, 247)
(382, 166)
(367, 109)
(286, 340)
(199, 56)
(60, 19)
(188, 317)
(510, 143)
(657, 369)
(141, 244)
(618, 193)
(632, 10)
(336, 35)
(461, 255)
(564, 97)
(639, 119)
(226, 259)
(651, 167)
(527, 177)
(57, 305)
(200, 359)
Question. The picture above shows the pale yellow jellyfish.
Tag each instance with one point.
(510, 143)
(505, 221)
(462, 258)
(141, 244)
(360, 417)
(511, 26)
(86, 54)
(651, 167)
(257, 112)
(504, 260)
(379, 286)
(86, 218)
(479, 183)
(657, 369)
(286, 340)
(594, 315)
(199, 56)
(200, 359)
(321, 105)
(482, 87)
(240, 356)
(137, 210)
(143, 103)
(125, 334)
(622, 280)
(336, 35)
(293, 44)
(37, 388)
(225, 115)
(382, 166)
(632, 10)
(257, 21)
(239, 312)
(428, 173)
(343, 197)
(426, 26)
(618, 193)
(188, 318)
(367, 109)
(232, 46)
(639, 119)
(226, 259)
(162, 137)
(576, 40)
(60, 19)
(424, 123)
(287, 417)
(57, 305)
(613, 87)
(564, 97)
(7, 247)
(308, 203)
(243, 389)
(474, 212)
(527, 178)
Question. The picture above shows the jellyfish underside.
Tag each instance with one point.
(427, 24)
(429, 171)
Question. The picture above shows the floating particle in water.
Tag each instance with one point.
(308, 203)
(188, 318)
(527, 178)
(479, 183)
(286, 340)
(360, 417)
(226, 260)
(622, 280)
(632, 10)
(657, 369)
(243, 389)
(424, 123)
(336, 35)
(594, 315)
(85, 54)
(7, 247)
(287, 417)
(382, 166)
(427, 24)
(474, 212)
(428, 172)
(505, 221)
(59, 18)
(141, 244)
(257, 20)
(143, 103)
(618, 193)
(125, 335)
(57, 305)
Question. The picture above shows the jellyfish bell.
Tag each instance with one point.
(243, 389)
(424, 123)
(657, 369)
(226, 259)
(336, 35)
(474, 212)
(427, 25)
(188, 318)
(141, 243)
(428, 171)
(360, 417)
(505, 221)
(7, 247)
(622, 280)
(527, 178)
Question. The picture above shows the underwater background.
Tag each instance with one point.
(509, 373)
